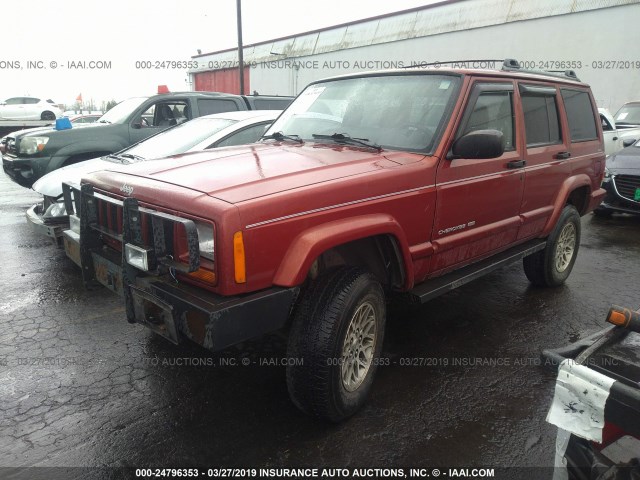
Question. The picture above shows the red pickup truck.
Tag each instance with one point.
(408, 182)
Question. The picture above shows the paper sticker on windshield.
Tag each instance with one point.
(306, 98)
(622, 116)
(579, 400)
(444, 84)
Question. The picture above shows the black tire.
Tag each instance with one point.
(318, 337)
(47, 115)
(550, 267)
(602, 212)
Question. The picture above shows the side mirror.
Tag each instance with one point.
(627, 142)
(478, 144)
(136, 126)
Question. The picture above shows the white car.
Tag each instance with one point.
(29, 108)
(211, 131)
(616, 135)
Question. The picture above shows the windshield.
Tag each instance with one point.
(179, 139)
(401, 112)
(629, 114)
(121, 111)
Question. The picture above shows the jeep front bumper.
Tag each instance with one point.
(154, 299)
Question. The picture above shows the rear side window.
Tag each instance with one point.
(582, 123)
(540, 119)
(209, 106)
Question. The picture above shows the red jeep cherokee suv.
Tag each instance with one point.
(413, 181)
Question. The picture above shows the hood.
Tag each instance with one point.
(626, 160)
(48, 130)
(236, 174)
(50, 184)
(19, 133)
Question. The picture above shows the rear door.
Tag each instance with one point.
(546, 153)
(478, 200)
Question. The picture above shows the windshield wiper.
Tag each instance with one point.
(345, 138)
(279, 136)
(104, 121)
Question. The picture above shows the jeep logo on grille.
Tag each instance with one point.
(126, 189)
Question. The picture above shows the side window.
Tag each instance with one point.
(582, 123)
(493, 111)
(31, 100)
(164, 114)
(540, 119)
(208, 106)
(247, 135)
(14, 101)
(606, 126)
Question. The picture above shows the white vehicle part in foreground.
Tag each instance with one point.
(579, 400)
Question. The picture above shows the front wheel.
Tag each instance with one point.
(335, 343)
(551, 267)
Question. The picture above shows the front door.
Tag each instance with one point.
(478, 200)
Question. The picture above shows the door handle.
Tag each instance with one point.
(562, 155)
(517, 164)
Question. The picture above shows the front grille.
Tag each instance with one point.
(627, 185)
(172, 240)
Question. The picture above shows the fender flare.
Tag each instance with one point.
(310, 243)
(568, 186)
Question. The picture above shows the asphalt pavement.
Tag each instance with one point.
(462, 385)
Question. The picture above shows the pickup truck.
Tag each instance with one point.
(30, 155)
(616, 137)
(402, 183)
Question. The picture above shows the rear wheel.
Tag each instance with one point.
(335, 343)
(47, 115)
(551, 267)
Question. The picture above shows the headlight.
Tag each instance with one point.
(205, 239)
(33, 145)
(56, 210)
(137, 257)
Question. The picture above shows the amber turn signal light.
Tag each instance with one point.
(204, 275)
(238, 258)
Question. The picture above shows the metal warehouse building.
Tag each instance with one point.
(599, 39)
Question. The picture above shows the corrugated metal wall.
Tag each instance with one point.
(452, 17)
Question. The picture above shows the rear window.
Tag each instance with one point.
(582, 123)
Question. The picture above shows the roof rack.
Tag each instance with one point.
(508, 65)
(447, 62)
(512, 65)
